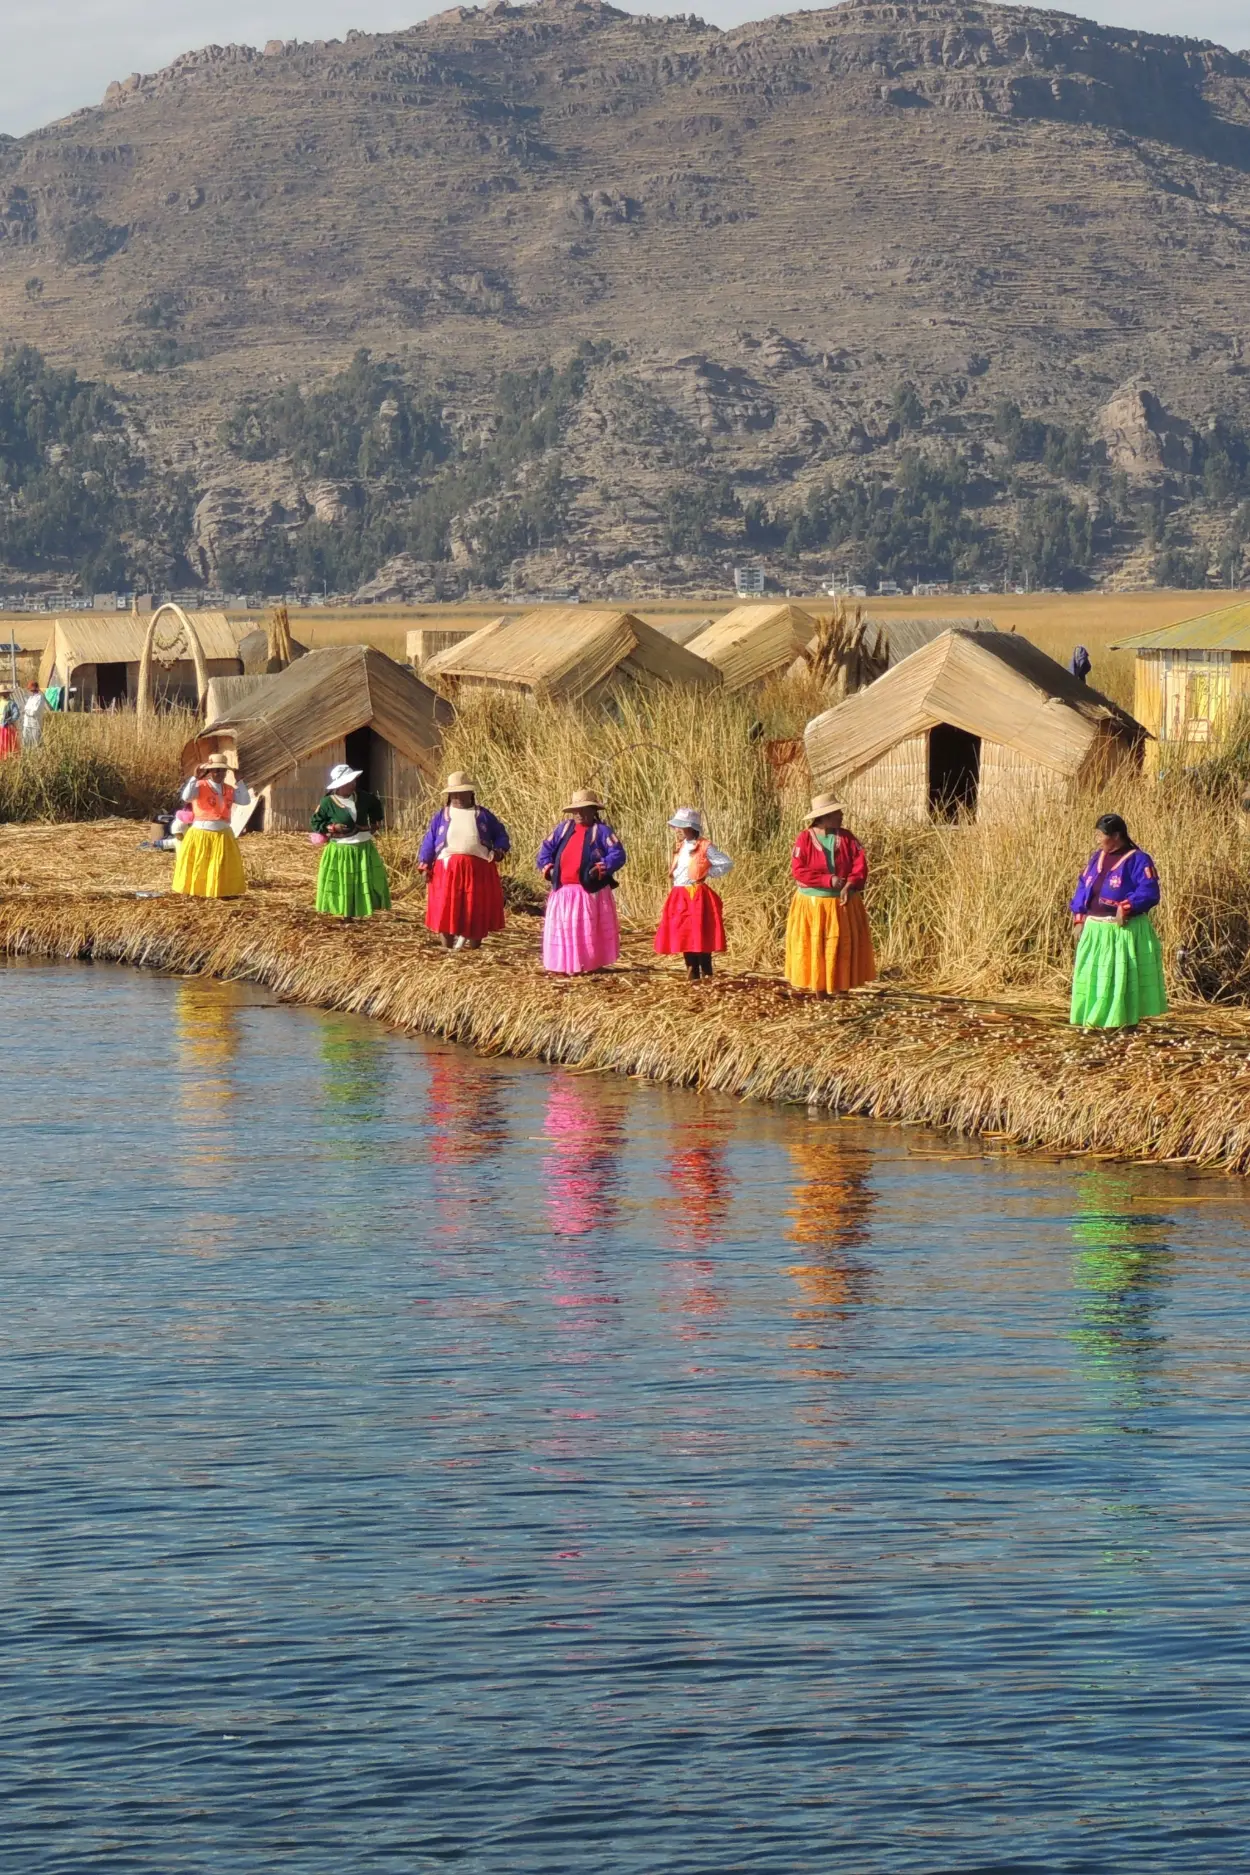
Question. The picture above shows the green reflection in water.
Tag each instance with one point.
(1123, 1272)
(355, 1086)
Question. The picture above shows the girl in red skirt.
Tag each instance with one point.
(693, 919)
(460, 855)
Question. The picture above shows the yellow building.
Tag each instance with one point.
(1189, 678)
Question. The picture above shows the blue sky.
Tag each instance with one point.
(60, 54)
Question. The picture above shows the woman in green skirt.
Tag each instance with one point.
(1119, 966)
(351, 880)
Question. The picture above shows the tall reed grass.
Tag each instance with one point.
(93, 765)
(971, 909)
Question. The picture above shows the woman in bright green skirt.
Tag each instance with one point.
(1118, 977)
(351, 879)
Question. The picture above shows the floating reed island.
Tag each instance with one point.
(1011, 1073)
(966, 1028)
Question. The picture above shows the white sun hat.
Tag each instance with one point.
(688, 818)
(341, 774)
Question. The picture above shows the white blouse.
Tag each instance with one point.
(718, 863)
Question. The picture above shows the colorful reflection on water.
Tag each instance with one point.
(411, 1460)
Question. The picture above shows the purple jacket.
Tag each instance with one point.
(602, 848)
(491, 832)
(1130, 876)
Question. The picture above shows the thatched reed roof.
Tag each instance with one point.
(117, 638)
(254, 650)
(227, 693)
(754, 641)
(319, 699)
(906, 635)
(567, 651)
(681, 631)
(424, 642)
(991, 684)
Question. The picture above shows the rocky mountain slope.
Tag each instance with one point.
(767, 234)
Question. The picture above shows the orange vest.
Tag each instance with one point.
(698, 864)
(209, 805)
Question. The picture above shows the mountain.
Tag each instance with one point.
(826, 252)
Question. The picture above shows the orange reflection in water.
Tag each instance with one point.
(831, 1212)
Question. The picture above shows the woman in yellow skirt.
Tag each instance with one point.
(828, 943)
(209, 863)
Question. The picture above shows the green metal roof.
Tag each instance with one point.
(1225, 630)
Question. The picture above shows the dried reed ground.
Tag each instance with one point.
(1178, 1091)
(975, 912)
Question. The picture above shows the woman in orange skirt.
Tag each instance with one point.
(828, 943)
(693, 922)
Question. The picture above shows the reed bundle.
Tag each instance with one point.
(843, 657)
(1175, 1092)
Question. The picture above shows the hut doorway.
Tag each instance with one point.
(954, 771)
(110, 685)
(365, 749)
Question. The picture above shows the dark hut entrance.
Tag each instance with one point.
(110, 685)
(366, 750)
(954, 771)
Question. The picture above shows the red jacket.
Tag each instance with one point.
(810, 865)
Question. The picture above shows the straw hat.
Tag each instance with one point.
(459, 783)
(584, 797)
(216, 762)
(689, 819)
(823, 804)
(341, 776)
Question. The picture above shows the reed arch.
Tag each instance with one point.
(169, 648)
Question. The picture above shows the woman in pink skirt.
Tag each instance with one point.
(581, 859)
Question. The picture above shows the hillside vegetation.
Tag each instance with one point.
(556, 295)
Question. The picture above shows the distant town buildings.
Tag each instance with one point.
(749, 581)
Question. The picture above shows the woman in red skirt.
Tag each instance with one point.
(460, 856)
(693, 921)
(10, 717)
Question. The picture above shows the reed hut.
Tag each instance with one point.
(226, 693)
(754, 642)
(570, 652)
(979, 723)
(256, 652)
(1189, 679)
(348, 703)
(905, 635)
(426, 641)
(97, 655)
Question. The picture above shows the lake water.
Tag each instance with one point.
(410, 1460)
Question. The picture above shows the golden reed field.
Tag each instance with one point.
(1054, 621)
